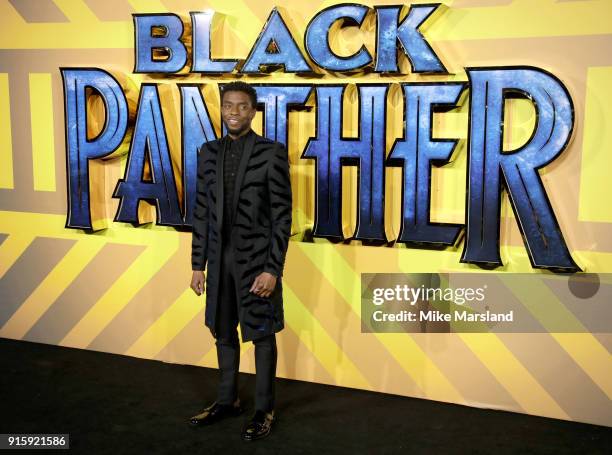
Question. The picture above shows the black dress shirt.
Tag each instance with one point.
(233, 152)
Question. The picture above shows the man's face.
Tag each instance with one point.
(237, 112)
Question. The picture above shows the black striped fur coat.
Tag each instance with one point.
(260, 233)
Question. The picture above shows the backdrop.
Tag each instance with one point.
(125, 289)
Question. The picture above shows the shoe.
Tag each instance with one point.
(216, 412)
(259, 426)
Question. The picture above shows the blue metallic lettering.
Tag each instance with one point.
(490, 166)
(79, 149)
(149, 139)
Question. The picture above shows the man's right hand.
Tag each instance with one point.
(197, 282)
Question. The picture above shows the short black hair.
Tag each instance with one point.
(240, 86)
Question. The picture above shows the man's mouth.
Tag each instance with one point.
(233, 122)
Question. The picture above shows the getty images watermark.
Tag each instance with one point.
(411, 295)
(485, 302)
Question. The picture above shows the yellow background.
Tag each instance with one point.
(126, 290)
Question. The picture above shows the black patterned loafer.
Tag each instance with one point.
(216, 412)
(259, 426)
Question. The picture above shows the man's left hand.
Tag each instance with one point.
(263, 285)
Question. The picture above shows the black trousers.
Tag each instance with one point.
(228, 345)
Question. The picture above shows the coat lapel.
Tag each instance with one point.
(244, 159)
(220, 159)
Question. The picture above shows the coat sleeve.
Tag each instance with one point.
(280, 196)
(199, 237)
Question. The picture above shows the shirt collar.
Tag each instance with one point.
(241, 139)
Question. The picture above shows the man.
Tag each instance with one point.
(241, 229)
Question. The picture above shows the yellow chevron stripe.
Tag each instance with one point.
(422, 369)
(10, 250)
(336, 316)
(161, 332)
(512, 21)
(407, 353)
(50, 225)
(17, 34)
(596, 161)
(300, 320)
(148, 6)
(587, 352)
(210, 358)
(503, 365)
(6, 135)
(243, 22)
(47, 292)
(143, 269)
(512, 375)
(592, 357)
(517, 20)
(316, 339)
(43, 144)
(162, 242)
(76, 11)
(544, 305)
(594, 261)
(499, 360)
(247, 361)
(36, 224)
